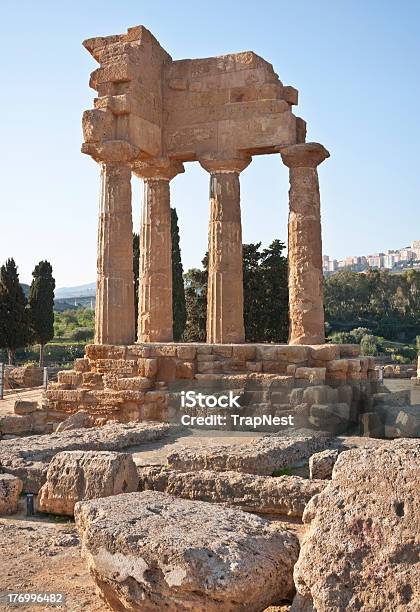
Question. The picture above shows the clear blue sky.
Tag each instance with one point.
(355, 64)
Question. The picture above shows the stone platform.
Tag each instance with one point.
(321, 385)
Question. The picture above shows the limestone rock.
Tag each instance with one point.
(29, 457)
(262, 456)
(78, 420)
(14, 424)
(23, 407)
(25, 376)
(361, 548)
(321, 464)
(74, 476)
(147, 551)
(287, 495)
(10, 489)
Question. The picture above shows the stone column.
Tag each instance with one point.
(114, 314)
(306, 302)
(155, 321)
(225, 300)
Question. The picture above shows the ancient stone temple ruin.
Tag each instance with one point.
(150, 116)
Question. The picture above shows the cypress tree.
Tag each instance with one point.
(196, 303)
(41, 306)
(178, 289)
(14, 319)
(253, 292)
(136, 265)
(275, 306)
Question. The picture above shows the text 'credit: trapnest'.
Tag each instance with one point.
(151, 115)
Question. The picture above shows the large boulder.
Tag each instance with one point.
(283, 495)
(263, 456)
(10, 489)
(361, 549)
(73, 476)
(29, 457)
(151, 552)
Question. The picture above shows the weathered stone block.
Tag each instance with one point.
(362, 531)
(371, 425)
(165, 350)
(105, 351)
(166, 369)
(23, 407)
(81, 365)
(321, 464)
(10, 490)
(93, 380)
(409, 423)
(282, 495)
(349, 350)
(311, 374)
(244, 352)
(273, 367)
(181, 569)
(222, 350)
(185, 369)
(186, 352)
(79, 420)
(292, 354)
(13, 424)
(324, 352)
(77, 475)
(70, 377)
(149, 367)
(138, 383)
(254, 366)
(266, 353)
(262, 456)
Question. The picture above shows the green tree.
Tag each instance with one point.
(254, 291)
(265, 293)
(14, 319)
(41, 306)
(136, 265)
(178, 289)
(196, 304)
(276, 297)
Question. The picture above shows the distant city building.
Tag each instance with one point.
(398, 259)
(415, 247)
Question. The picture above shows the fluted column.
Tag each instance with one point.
(225, 300)
(114, 313)
(155, 320)
(306, 301)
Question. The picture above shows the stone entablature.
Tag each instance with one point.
(151, 115)
(134, 382)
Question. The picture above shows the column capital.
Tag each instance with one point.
(158, 169)
(220, 165)
(305, 155)
(111, 151)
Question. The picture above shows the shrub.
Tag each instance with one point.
(368, 345)
(82, 334)
(342, 338)
(359, 332)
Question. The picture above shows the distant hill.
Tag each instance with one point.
(78, 291)
(25, 289)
